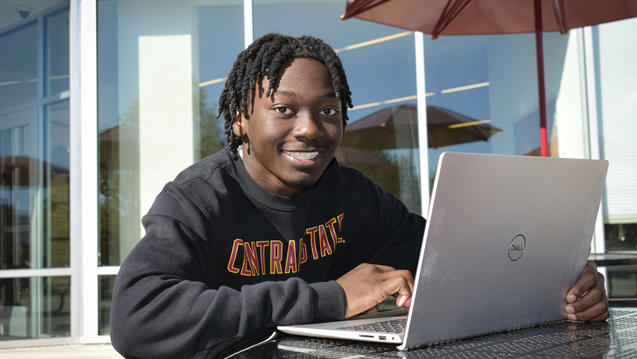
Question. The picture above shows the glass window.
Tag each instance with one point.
(38, 307)
(380, 65)
(56, 72)
(217, 51)
(105, 287)
(18, 187)
(567, 121)
(34, 158)
(55, 205)
(161, 71)
(622, 281)
(18, 64)
(34, 169)
(489, 84)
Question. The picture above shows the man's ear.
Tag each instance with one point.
(236, 125)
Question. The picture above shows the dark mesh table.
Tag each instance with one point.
(616, 338)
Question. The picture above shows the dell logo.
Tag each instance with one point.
(517, 246)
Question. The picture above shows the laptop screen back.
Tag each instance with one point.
(506, 237)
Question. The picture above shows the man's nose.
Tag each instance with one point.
(308, 126)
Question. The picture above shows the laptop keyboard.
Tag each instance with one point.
(386, 326)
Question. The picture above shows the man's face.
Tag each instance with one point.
(292, 135)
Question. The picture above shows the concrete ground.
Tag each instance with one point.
(70, 351)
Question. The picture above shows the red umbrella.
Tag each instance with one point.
(465, 17)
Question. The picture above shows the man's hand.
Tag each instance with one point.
(369, 284)
(587, 300)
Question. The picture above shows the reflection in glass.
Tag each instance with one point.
(20, 173)
(382, 145)
(18, 66)
(34, 140)
(57, 52)
(217, 51)
(622, 281)
(106, 284)
(395, 129)
(34, 191)
(161, 71)
(492, 79)
(621, 236)
(37, 307)
(56, 236)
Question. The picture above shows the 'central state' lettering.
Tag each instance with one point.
(269, 257)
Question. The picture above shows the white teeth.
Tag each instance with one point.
(302, 155)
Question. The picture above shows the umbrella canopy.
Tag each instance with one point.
(381, 129)
(466, 17)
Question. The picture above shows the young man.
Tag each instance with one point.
(272, 230)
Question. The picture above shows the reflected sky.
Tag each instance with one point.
(499, 70)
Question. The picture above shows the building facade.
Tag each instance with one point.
(103, 102)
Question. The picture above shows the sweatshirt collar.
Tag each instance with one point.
(265, 197)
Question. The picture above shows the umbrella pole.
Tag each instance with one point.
(539, 47)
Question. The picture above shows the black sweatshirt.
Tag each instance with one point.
(222, 257)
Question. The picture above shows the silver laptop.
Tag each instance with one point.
(506, 237)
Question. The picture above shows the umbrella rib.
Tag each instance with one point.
(450, 12)
(362, 7)
(441, 23)
(558, 11)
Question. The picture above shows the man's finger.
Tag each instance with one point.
(399, 285)
(587, 280)
(591, 313)
(400, 273)
(407, 303)
(367, 285)
(401, 300)
(602, 317)
(591, 298)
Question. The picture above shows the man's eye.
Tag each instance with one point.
(329, 111)
(282, 109)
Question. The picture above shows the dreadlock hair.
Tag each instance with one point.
(266, 57)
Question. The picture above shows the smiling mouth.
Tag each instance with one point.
(302, 155)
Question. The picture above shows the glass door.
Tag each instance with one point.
(34, 171)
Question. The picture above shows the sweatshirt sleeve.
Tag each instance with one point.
(163, 308)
